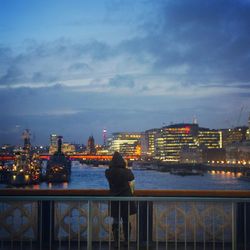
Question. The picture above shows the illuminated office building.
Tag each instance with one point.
(177, 137)
(127, 143)
(208, 138)
(234, 135)
(160, 146)
(67, 148)
(181, 142)
(150, 145)
(53, 140)
(53, 143)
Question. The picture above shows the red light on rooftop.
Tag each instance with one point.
(187, 130)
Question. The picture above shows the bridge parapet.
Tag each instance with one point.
(46, 219)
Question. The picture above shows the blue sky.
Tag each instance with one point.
(75, 67)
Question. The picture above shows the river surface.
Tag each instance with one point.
(87, 177)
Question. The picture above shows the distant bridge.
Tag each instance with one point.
(99, 159)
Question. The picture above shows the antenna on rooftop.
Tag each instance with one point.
(104, 135)
(195, 121)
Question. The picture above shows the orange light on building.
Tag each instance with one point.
(138, 150)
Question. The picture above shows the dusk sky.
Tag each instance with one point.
(76, 67)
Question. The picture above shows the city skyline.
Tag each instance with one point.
(110, 134)
(75, 68)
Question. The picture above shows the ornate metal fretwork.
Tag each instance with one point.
(18, 220)
(192, 221)
(172, 221)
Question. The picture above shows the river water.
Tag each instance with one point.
(87, 177)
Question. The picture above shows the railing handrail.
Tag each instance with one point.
(138, 193)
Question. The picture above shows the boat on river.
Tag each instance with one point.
(59, 166)
(186, 172)
(26, 169)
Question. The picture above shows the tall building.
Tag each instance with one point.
(149, 143)
(127, 143)
(176, 137)
(91, 145)
(26, 139)
(53, 140)
(104, 135)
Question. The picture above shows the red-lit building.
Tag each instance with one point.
(184, 142)
(173, 139)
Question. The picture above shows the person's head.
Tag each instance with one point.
(117, 161)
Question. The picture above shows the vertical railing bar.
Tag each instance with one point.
(50, 222)
(185, 226)
(100, 223)
(233, 227)
(204, 229)
(147, 225)
(175, 226)
(245, 226)
(128, 226)
(194, 206)
(21, 232)
(214, 225)
(32, 213)
(89, 226)
(2, 208)
(41, 227)
(166, 230)
(58, 211)
(12, 234)
(223, 231)
(156, 228)
(138, 226)
(119, 228)
(79, 227)
(69, 235)
(109, 211)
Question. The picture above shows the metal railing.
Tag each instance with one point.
(81, 219)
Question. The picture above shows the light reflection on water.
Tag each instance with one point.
(87, 177)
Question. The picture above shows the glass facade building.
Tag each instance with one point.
(181, 141)
(127, 143)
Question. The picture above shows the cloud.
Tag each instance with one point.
(80, 67)
(47, 62)
(122, 81)
(210, 38)
(13, 75)
(181, 43)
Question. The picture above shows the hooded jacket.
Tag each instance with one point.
(118, 176)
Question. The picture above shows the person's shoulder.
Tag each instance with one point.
(107, 171)
(126, 170)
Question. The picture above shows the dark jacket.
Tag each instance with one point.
(118, 177)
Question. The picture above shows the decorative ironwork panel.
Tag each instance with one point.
(18, 220)
(192, 221)
(71, 221)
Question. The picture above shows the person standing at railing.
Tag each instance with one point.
(119, 178)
